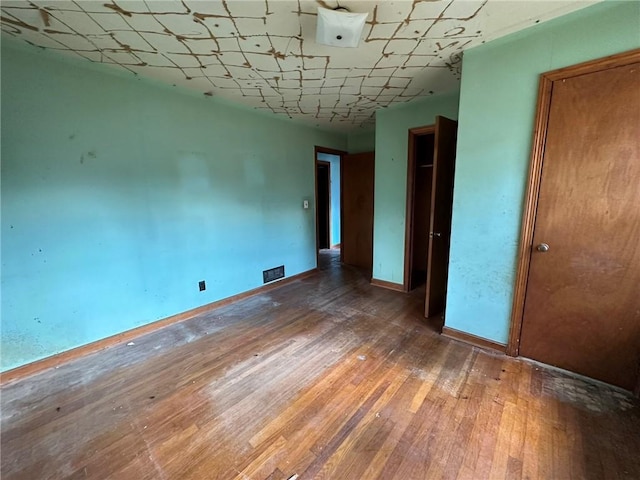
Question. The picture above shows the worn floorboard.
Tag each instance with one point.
(326, 378)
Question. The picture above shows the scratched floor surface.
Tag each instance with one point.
(328, 378)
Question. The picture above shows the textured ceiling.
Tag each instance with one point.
(263, 52)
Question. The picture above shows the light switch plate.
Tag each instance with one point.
(305, 204)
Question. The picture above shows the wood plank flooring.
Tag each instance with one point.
(326, 378)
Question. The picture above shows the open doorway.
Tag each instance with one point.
(323, 177)
(419, 183)
(430, 173)
(328, 198)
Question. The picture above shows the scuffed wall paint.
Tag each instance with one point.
(119, 196)
(497, 111)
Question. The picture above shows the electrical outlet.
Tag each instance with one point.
(201, 285)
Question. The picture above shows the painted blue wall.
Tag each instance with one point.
(497, 112)
(334, 160)
(360, 142)
(118, 196)
(390, 202)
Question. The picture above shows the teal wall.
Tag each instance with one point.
(118, 196)
(497, 111)
(392, 134)
(334, 160)
(360, 142)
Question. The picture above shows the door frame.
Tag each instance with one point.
(535, 174)
(331, 151)
(411, 183)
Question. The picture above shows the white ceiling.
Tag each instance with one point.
(263, 53)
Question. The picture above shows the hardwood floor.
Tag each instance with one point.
(325, 378)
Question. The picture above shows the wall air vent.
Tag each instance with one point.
(273, 274)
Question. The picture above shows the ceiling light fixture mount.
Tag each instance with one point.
(339, 27)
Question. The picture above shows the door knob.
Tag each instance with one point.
(543, 247)
(435, 234)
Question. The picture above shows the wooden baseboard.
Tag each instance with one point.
(61, 358)
(335, 247)
(398, 287)
(473, 339)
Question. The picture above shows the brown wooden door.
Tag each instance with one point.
(357, 176)
(440, 224)
(582, 305)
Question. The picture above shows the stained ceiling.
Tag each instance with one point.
(263, 53)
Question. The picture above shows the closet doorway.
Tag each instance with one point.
(430, 171)
(420, 179)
